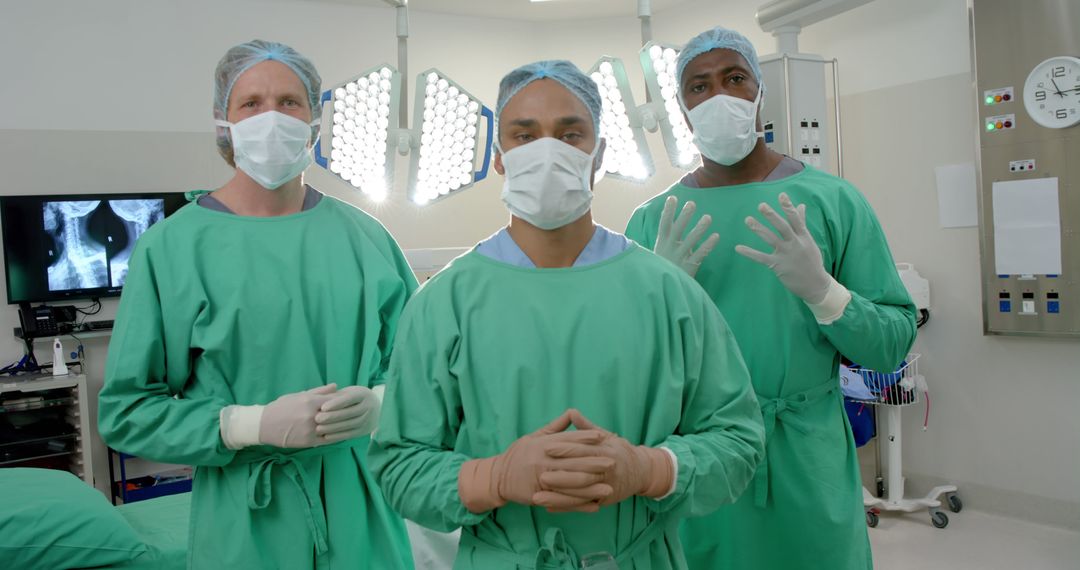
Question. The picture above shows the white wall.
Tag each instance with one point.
(115, 95)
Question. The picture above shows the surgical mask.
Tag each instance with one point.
(724, 128)
(271, 147)
(548, 182)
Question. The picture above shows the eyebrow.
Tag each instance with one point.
(562, 122)
(723, 71)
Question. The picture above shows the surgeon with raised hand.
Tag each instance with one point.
(560, 393)
(799, 287)
(252, 339)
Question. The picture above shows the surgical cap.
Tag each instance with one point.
(566, 73)
(718, 38)
(243, 57)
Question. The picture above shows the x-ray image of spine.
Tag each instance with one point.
(138, 215)
(77, 260)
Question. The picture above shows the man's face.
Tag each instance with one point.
(268, 86)
(717, 72)
(544, 108)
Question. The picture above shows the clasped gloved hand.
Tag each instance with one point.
(287, 422)
(637, 470)
(514, 476)
(669, 238)
(352, 412)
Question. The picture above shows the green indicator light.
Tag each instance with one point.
(989, 126)
(989, 100)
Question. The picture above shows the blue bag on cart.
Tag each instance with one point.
(861, 417)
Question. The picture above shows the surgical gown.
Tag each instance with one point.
(804, 509)
(489, 352)
(220, 309)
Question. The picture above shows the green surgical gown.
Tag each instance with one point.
(220, 309)
(488, 352)
(804, 509)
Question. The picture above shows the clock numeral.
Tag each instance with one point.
(1059, 71)
(1062, 114)
(1040, 95)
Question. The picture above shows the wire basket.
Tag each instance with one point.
(897, 388)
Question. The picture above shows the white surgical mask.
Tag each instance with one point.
(548, 182)
(271, 147)
(724, 128)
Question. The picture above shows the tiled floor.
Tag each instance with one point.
(972, 541)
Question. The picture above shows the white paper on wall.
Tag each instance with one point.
(957, 203)
(1027, 227)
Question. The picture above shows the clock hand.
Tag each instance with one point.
(1058, 92)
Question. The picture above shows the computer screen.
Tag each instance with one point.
(75, 246)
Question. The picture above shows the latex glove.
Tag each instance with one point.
(796, 258)
(637, 470)
(669, 242)
(288, 421)
(352, 412)
(514, 475)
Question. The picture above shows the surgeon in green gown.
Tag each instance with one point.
(252, 338)
(828, 287)
(556, 322)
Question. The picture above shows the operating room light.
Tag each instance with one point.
(626, 155)
(359, 149)
(449, 135)
(658, 62)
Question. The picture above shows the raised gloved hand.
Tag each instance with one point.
(637, 470)
(288, 421)
(796, 258)
(352, 412)
(514, 475)
(669, 238)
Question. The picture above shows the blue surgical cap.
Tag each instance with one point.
(243, 57)
(718, 38)
(566, 73)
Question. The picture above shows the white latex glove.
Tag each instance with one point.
(353, 412)
(669, 242)
(796, 260)
(288, 421)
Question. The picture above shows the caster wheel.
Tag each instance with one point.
(939, 519)
(955, 504)
(871, 519)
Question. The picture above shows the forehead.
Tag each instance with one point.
(544, 99)
(267, 76)
(715, 60)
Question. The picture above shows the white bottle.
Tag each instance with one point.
(59, 359)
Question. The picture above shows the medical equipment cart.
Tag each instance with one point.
(892, 392)
(45, 422)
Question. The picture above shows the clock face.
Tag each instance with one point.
(1052, 92)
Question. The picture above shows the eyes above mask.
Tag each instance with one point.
(548, 182)
(272, 147)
